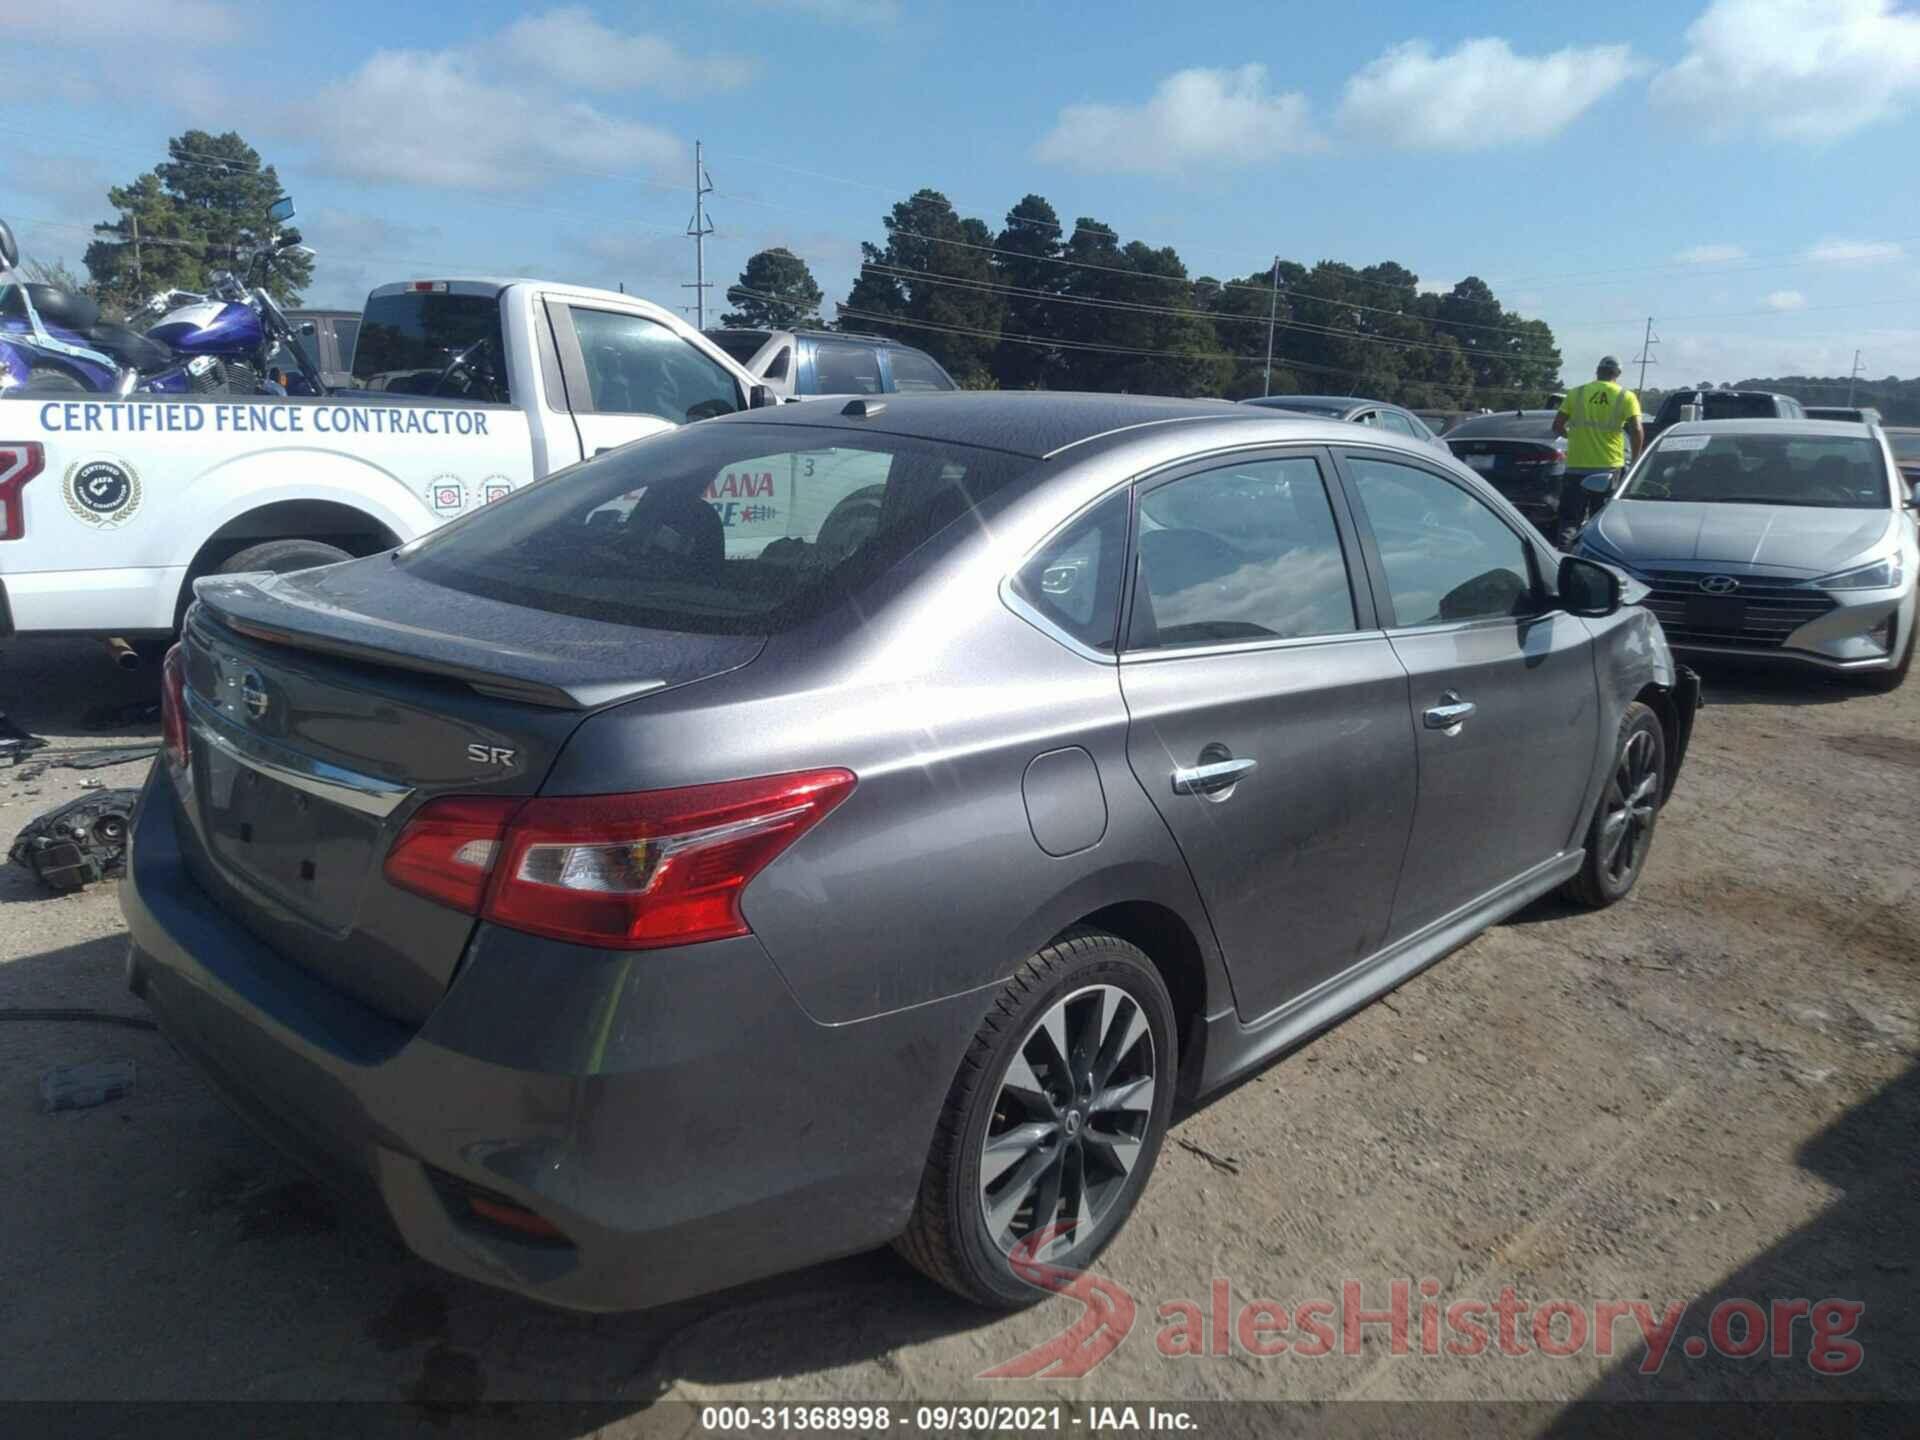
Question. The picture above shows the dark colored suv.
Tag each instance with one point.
(1726, 405)
(813, 364)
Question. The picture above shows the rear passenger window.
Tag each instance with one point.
(915, 373)
(1247, 552)
(842, 369)
(1447, 555)
(635, 367)
(1074, 582)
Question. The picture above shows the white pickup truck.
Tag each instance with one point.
(464, 391)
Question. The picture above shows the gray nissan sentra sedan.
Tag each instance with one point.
(1776, 540)
(819, 828)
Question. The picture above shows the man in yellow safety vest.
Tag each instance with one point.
(1594, 417)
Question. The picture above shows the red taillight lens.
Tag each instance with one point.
(625, 872)
(447, 850)
(19, 463)
(173, 707)
(665, 867)
(1539, 457)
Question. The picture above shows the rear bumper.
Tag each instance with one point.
(93, 602)
(675, 1114)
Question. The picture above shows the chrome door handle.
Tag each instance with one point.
(1449, 713)
(1209, 778)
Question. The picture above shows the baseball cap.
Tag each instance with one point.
(1608, 362)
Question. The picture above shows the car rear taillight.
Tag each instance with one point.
(1545, 455)
(626, 872)
(173, 707)
(447, 851)
(19, 463)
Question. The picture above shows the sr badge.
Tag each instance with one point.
(103, 493)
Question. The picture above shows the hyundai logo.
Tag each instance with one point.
(1719, 584)
(253, 694)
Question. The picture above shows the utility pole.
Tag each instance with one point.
(1273, 312)
(1852, 375)
(1646, 352)
(699, 228)
(126, 234)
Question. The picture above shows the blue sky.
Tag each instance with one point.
(1738, 169)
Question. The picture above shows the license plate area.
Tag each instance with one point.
(1725, 614)
(307, 853)
(1483, 463)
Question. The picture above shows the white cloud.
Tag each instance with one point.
(853, 12)
(1794, 69)
(573, 49)
(1217, 118)
(1786, 300)
(1479, 95)
(436, 118)
(1856, 252)
(1710, 254)
(112, 24)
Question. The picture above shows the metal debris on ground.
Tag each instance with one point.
(81, 1087)
(15, 743)
(77, 843)
(102, 756)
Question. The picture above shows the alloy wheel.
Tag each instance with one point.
(1068, 1120)
(1632, 798)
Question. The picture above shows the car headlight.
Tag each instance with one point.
(1881, 575)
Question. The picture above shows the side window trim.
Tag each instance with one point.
(1365, 617)
(573, 364)
(1376, 571)
(1011, 597)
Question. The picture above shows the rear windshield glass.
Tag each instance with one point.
(742, 345)
(1510, 427)
(1821, 471)
(733, 529)
(432, 343)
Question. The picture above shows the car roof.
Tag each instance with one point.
(1282, 401)
(1762, 425)
(1023, 422)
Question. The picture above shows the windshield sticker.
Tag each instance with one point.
(103, 492)
(1686, 442)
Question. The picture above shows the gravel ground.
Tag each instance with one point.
(1707, 1094)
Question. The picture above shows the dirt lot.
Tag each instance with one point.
(1709, 1093)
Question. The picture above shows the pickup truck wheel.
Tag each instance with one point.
(1622, 828)
(283, 556)
(1052, 1125)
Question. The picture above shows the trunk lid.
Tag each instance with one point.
(326, 707)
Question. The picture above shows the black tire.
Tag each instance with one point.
(948, 1237)
(52, 380)
(1886, 681)
(283, 557)
(1628, 809)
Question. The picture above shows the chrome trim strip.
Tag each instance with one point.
(347, 788)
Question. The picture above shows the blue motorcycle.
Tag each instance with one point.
(53, 340)
(235, 340)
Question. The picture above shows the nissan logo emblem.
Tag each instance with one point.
(1719, 584)
(253, 694)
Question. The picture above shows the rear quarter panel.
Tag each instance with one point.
(928, 880)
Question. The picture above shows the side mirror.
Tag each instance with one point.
(9, 252)
(281, 210)
(1587, 588)
(1600, 483)
(761, 397)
